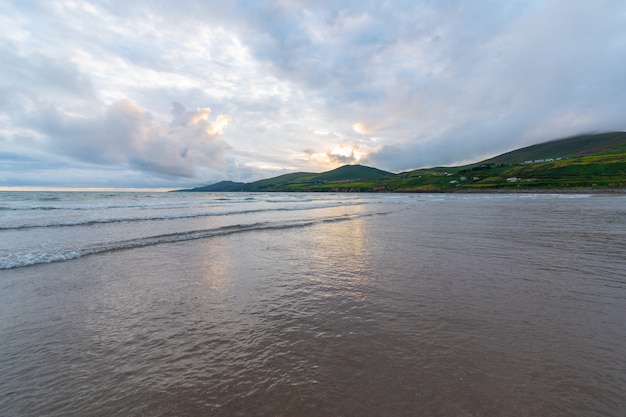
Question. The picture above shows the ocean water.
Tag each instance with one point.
(236, 304)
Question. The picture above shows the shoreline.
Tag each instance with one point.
(609, 191)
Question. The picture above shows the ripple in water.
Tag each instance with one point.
(450, 307)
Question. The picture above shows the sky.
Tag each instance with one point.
(182, 93)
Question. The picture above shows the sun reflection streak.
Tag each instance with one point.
(215, 267)
(341, 254)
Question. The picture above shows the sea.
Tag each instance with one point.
(321, 304)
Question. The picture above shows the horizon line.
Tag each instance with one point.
(33, 188)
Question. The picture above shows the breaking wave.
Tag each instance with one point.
(29, 259)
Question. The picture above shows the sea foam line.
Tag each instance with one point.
(181, 216)
(131, 205)
(35, 259)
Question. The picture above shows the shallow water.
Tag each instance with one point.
(365, 305)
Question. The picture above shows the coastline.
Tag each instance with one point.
(605, 191)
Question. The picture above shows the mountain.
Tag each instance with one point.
(593, 161)
(223, 186)
(353, 173)
(307, 181)
(281, 180)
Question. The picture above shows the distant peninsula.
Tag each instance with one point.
(585, 162)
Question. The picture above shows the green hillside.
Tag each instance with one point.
(282, 180)
(581, 162)
(353, 173)
(573, 147)
(336, 180)
(223, 186)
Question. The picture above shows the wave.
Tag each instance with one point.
(216, 202)
(34, 259)
(126, 220)
(91, 222)
(90, 207)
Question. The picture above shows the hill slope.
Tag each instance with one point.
(306, 181)
(302, 181)
(352, 173)
(581, 162)
(588, 161)
(223, 186)
(573, 147)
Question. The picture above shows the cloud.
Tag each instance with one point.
(547, 74)
(362, 128)
(100, 85)
(126, 135)
(345, 154)
(40, 73)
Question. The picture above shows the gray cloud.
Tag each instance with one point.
(351, 158)
(126, 135)
(38, 72)
(549, 75)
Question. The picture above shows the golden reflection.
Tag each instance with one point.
(341, 252)
(215, 265)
